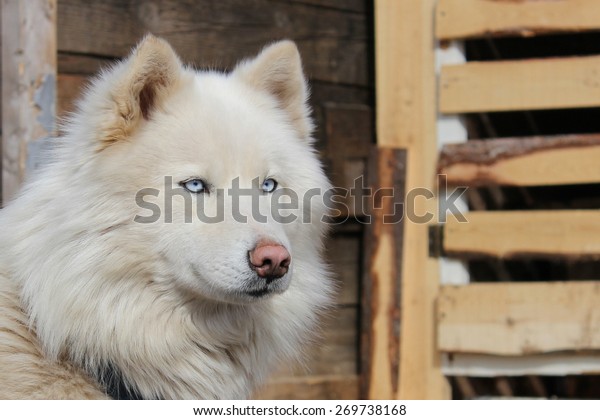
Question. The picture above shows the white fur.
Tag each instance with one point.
(161, 301)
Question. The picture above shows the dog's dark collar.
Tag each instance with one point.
(115, 386)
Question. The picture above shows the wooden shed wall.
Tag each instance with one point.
(335, 40)
(402, 285)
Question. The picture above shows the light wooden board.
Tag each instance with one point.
(28, 80)
(483, 365)
(406, 118)
(568, 233)
(552, 83)
(479, 18)
(558, 160)
(519, 318)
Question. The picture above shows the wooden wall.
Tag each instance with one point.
(335, 39)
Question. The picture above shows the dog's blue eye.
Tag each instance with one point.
(194, 185)
(269, 185)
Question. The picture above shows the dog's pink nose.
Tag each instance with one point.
(270, 261)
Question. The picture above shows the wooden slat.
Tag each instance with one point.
(28, 80)
(349, 131)
(406, 118)
(557, 160)
(82, 64)
(344, 254)
(337, 387)
(217, 34)
(383, 277)
(358, 6)
(458, 19)
(551, 83)
(568, 233)
(69, 88)
(519, 318)
(555, 364)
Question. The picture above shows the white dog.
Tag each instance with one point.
(126, 268)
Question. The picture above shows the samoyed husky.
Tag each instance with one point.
(146, 260)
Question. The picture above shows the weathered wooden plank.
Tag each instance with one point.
(344, 387)
(561, 233)
(519, 318)
(383, 275)
(217, 34)
(479, 18)
(69, 88)
(322, 94)
(344, 255)
(75, 71)
(81, 64)
(28, 79)
(349, 136)
(358, 6)
(406, 118)
(556, 364)
(551, 83)
(556, 160)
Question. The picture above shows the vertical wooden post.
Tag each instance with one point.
(380, 344)
(29, 80)
(406, 119)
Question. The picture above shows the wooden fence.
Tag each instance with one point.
(486, 329)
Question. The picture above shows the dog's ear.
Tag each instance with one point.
(137, 88)
(278, 71)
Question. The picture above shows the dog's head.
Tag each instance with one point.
(216, 172)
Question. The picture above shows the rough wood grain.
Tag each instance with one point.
(349, 136)
(218, 33)
(406, 118)
(550, 83)
(480, 18)
(358, 6)
(559, 233)
(343, 252)
(322, 94)
(555, 160)
(383, 275)
(75, 71)
(81, 64)
(28, 79)
(519, 318)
